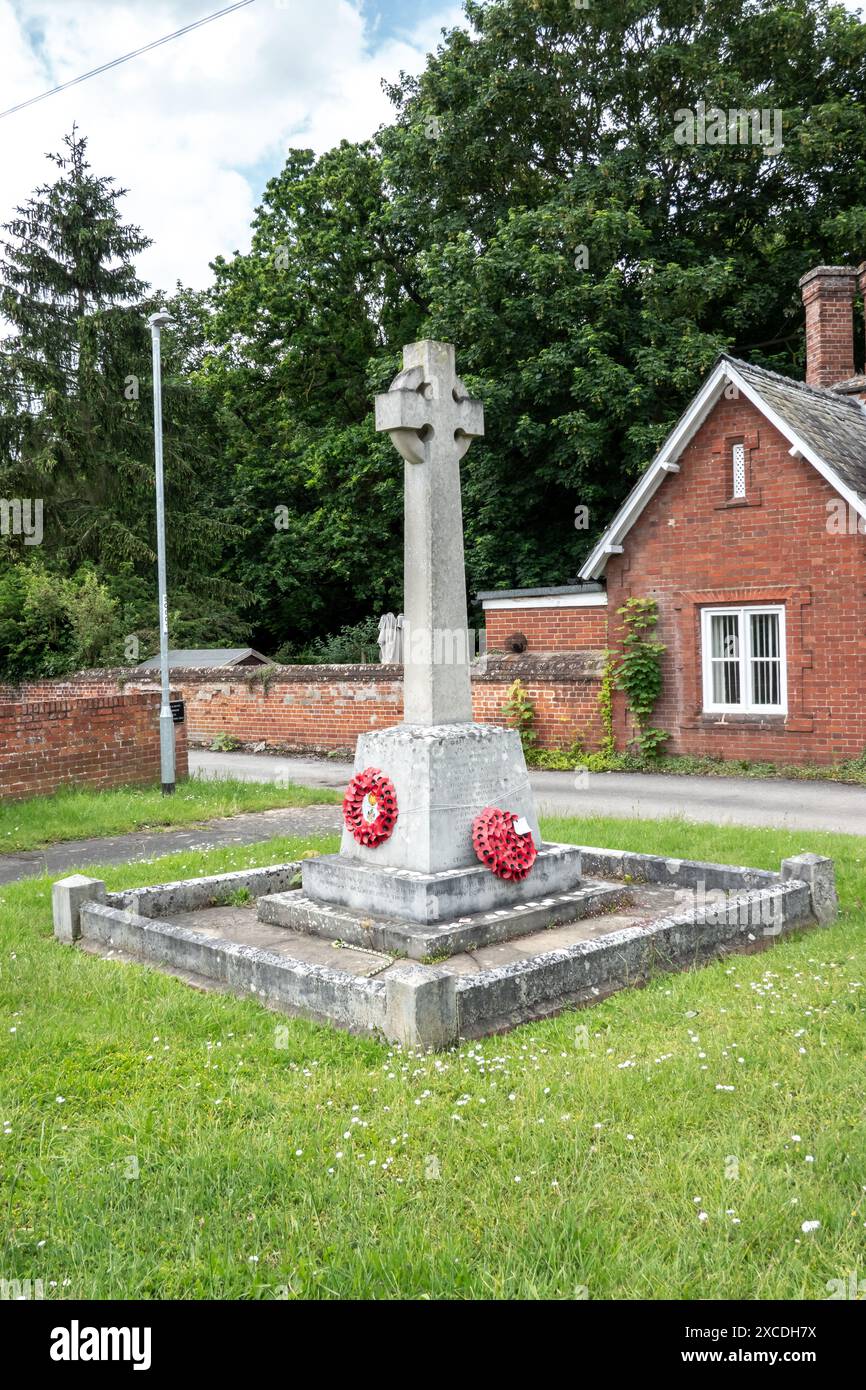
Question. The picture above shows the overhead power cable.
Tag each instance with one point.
(146, 48)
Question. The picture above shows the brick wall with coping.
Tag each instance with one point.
(325, 707)
(102, 739)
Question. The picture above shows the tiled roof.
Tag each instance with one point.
(832, 424)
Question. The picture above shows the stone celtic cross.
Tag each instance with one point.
(432, 422)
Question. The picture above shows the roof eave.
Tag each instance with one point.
(648, 485)
(690, 421)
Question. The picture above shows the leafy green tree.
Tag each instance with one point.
(531, 202)
(588, 265)
(71, 427)
(318, 497)
(50, 625)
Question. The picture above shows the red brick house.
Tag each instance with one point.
(749, 529)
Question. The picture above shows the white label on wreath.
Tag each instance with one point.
(370, 808)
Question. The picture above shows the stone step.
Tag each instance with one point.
(405, 895)
(392, 936)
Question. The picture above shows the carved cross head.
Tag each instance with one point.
(427, 405)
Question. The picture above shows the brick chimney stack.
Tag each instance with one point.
(828, 294)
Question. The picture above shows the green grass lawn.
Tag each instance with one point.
(165, 1143)
(78, 814)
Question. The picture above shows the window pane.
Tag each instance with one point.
(726, 635)
(726, 683)
(725, 658)
(766, 664)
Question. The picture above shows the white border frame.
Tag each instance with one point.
(747, 706)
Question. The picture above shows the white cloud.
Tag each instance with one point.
(193, 128)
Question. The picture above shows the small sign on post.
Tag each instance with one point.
(178, 710)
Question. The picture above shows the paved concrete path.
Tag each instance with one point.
(647, 796)
(245, 829)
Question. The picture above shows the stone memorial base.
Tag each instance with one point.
(640, 914)
(443, 774)
(408, 934)
(346, 881)
(423, 889)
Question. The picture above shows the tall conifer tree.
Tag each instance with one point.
(76, 417)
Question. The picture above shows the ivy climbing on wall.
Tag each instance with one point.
(636, 670)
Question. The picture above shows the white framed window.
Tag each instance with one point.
(743, 660)
(739, 470)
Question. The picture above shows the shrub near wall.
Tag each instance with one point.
(106, 740)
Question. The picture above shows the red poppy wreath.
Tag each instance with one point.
(502, 843)
(370, 807)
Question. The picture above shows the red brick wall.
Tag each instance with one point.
(548, 629)
(691, 548)
(566, 711)
(81, 685)
(103, 741)
(315, 707)
(328, 706)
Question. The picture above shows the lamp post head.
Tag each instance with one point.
(161, 319)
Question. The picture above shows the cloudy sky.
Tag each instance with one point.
(195, 128)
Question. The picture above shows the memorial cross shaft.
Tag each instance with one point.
(432, 422)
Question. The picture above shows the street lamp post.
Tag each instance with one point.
(166, 720)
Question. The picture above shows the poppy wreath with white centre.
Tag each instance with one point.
(370, 807)
(500, 848)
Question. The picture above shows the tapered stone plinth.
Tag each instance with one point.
(427, 871)
(443, 775)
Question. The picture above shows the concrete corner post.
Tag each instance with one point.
(67, 896)
(819, 873)
(421, 1006)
